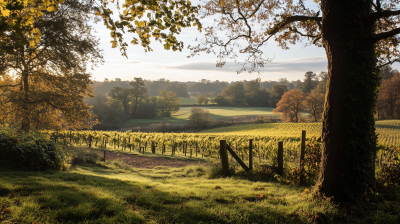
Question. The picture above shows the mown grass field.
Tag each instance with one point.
(388, 130)
(217, 112)
(188, 101)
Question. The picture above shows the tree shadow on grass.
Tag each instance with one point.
(71, 197)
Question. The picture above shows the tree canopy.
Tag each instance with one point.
(160, 19)
(291, 105)
(44, 85)
(168, 103)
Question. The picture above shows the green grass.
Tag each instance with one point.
(114, 193)
(188, 101)
(217, 112)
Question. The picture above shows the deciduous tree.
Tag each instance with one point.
(50, 79)
(123, 95)
(138, 92)
(389, 98)
(202, 99)
(168, 103)
(291, 105)
(235, 93)
(277, 93)
(315, 104)
(255, 96)
(159, 19)
(310, 82)
(179, 89)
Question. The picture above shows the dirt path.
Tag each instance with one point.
(148, 162)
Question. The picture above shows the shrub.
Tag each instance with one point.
(215, 170)
(310, 166)
(30, 150)
(389, 174)
(200, 118)
(82, 156)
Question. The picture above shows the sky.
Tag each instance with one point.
(175, 66)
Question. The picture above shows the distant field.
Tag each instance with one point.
(188, 101)
(389, 130)
(217, 112)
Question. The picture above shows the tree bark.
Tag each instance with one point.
(348, 131)
(25, 124)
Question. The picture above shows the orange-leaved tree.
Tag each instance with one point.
(388, 104)
(291, 105)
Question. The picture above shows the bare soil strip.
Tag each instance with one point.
(148, 162)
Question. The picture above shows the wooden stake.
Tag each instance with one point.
(224, 157)
(302, 153)
(280, 159)
(251, 154)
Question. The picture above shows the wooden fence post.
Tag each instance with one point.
(224, 157)
(90, 141)
(251, 154)
(280, 159)
(302, 153)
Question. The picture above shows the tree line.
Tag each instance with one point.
(251, 93)
(192, 88)
(133, 102)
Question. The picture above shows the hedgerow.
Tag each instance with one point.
(30, 150)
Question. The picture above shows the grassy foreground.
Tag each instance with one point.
(112, 192)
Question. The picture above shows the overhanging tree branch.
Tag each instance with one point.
(2, 86)
(302, 34)
(381, 36)
(292, 19)
(384, 14)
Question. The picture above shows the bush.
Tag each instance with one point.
(30, 150)
(310, 166)
(82, 156)
(389, 174)
(200, 118)
(215, 170)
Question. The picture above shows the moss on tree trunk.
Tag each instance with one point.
(348, 132)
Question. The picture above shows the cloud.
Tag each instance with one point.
(316, 64)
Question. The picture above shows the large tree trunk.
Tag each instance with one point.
(348, 132)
